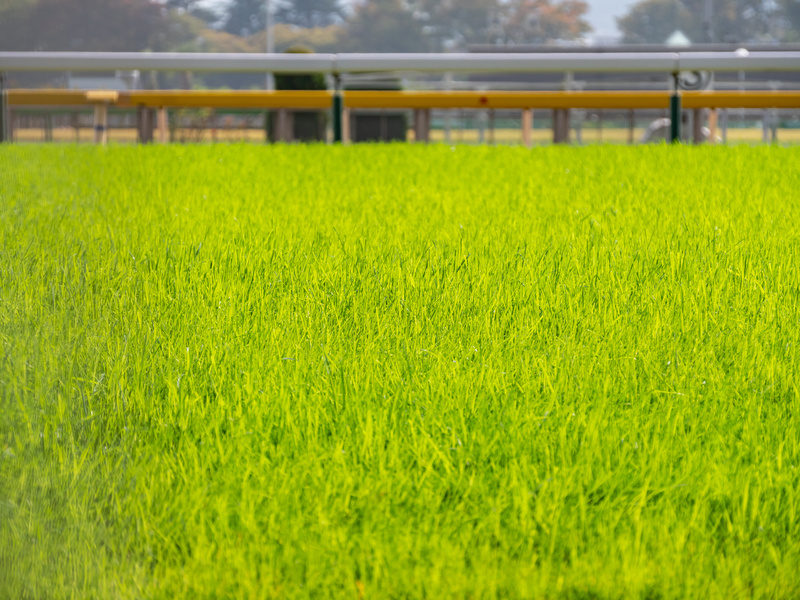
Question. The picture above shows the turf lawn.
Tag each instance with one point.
(399, 372)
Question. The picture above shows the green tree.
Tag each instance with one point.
(14, 16)
(790, 15)
(83, 25)
(310, 13)
(455, 23)
(652, 21)
(245, 17)
(384, 26)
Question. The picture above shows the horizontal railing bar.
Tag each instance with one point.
(666, 62)
(179, 99)
(227, 99)
(777, 99)
(506, 100)
(508, 63)
(411, 100)
(165, 61)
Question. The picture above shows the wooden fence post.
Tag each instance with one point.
(422, 124)
(101, 124)
(101, 99)
(48, 126)
(163, 125)
(697, 125)
(283, 126)
(75, 123)
(527, 127)
(145, 124)
(561, 126)
(345, 125)
(712, 126)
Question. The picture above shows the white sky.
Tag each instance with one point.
(602, 13)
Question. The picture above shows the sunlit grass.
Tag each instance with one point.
(397, 371)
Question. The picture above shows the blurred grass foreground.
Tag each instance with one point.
(399, 372)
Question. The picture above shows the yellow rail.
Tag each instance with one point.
(47, 98)
(559, 100)
(228, 99)
(415, 100)
(508, 100)
(740, 100)
(177, 99)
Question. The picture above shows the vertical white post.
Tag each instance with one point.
(270, 41)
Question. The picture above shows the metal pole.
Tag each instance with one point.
(4, 128)
(270, 42)
(338, 105)
(675, 113)
(520, 62)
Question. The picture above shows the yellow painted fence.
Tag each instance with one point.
(421, 101)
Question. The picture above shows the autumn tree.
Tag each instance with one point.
(455, 23)
(383, 26)
(462, 22)
(543, 21)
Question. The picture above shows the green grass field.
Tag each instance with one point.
(399, 372)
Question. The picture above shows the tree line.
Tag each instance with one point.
(370, 25)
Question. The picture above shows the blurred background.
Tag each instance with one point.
(385, 25)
